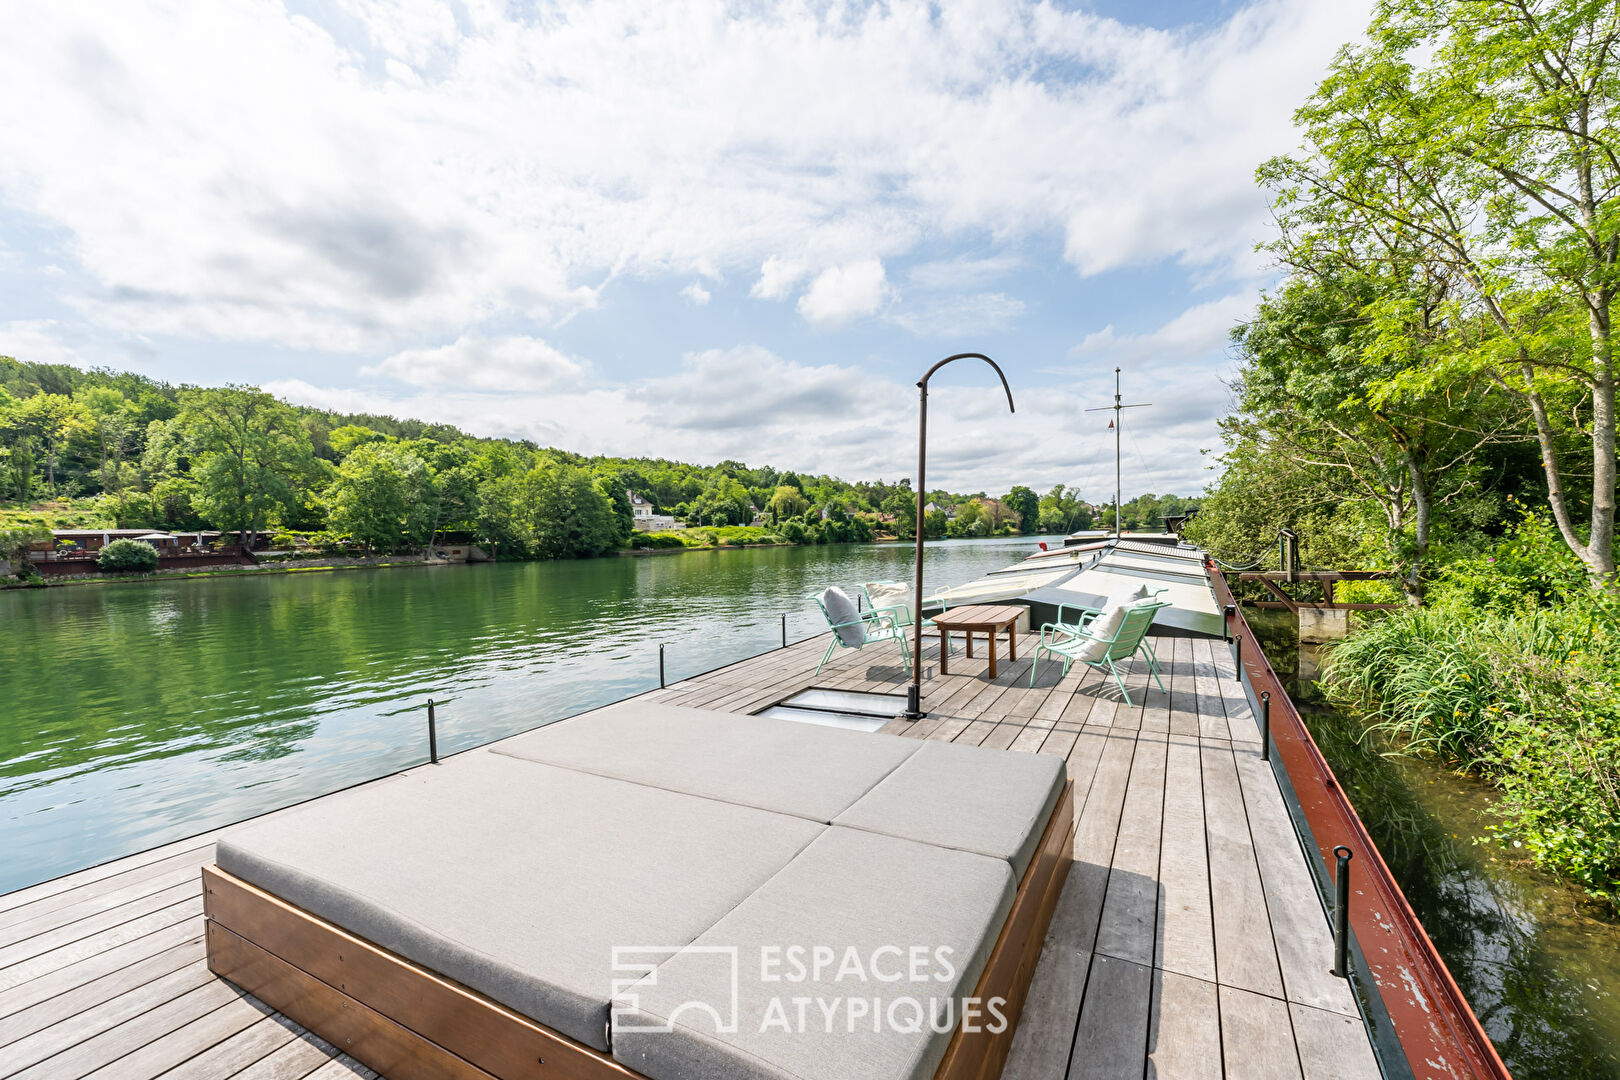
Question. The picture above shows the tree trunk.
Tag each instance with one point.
(1549, 467)
(1422, 512)
(1600, 547)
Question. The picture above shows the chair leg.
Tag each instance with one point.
(1126, 694)
(1154, 667)
(831, 645)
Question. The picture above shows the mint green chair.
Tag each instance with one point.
(1076, 641)
(866, 628)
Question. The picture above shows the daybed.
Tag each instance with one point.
(606, 897)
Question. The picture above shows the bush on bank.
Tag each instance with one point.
(1512, 672)
(128, 557)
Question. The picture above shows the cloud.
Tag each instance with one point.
(843, 293)
(696, 293)
(1200, 330)
(504, 365)
(365, 175)
(955, 316)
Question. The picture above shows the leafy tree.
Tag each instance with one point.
(1024, 502)
(16, 542)
(343, 440)
(382, 497)
(126, 556)
(49, 421)
(1063, 511)
(935, 524)
(786, 502)
(250, 452)
(1484, 129)
(624, 516)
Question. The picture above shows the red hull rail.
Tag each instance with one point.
(1435, 1027)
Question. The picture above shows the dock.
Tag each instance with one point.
(1189, 940)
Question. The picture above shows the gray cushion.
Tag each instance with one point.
(813, 772)
(518, 879)
(842, 613)
(852, 892)
(993, 802)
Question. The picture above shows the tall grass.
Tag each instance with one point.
(1528, 698)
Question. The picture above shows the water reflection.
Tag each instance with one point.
(1538, 964)
(137, 714)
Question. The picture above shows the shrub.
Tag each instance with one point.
(1531, 700)
(128, 557)
(656, 540)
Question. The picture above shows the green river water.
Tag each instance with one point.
(1537, 961)
(132, 714)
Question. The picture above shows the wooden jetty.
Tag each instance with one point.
(1190, 940)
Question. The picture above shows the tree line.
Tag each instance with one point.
(121, 449)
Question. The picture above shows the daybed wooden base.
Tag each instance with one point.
(410, 1024)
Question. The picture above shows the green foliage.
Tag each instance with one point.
(657, 540)
(15, 543)
(127, 451)
(383, 497)
(1062, 511)
(128, 557)
(1513, 671)
(1027, 505)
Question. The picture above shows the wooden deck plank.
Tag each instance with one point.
(27, 947)
(1245, 955)
(1333, 1046)
(91, 994)
(1184, 1032)
(106, 1047)
(1097, 830)
(1112, 1038)
(1128, 929)
(1257, 1037)
(1299, 925)
(74, 1029)
(84, 971)
(1186, 930)
(98, 944)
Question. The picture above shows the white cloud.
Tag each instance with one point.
(842, 293)
(696, 293)
(367, 176)
(499, 364)
(956, 316)
(1198, 331)
(777, 277)
(42, 341)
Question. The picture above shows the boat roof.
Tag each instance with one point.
(1088, 574)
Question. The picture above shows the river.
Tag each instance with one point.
(1537, 961)
(139, 713)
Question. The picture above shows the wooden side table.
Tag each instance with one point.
(986, 619)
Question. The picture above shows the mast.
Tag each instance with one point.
(1116, 424)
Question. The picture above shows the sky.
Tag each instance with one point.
(696, 230)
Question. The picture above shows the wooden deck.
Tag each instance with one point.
(1189, 941)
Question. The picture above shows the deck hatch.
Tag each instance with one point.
(851, 709)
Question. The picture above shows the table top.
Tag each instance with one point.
(977, 615)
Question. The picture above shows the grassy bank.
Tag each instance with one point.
(1512, 672)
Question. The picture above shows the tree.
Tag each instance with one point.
(127, 556)
(110, 419)
(1319, 384)
(1485, 129)
(935, 524)
(382, 497)
(1063, 511)
(624, 516)
(48, 420)
(250, 453)
(1023, 502)
(786, 502)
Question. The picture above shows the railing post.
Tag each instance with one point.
(1341, 913)
(1226, 622)
(660, 665)
(1265, 725)
(433, 735)
(784, 629)
(1237, 655)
